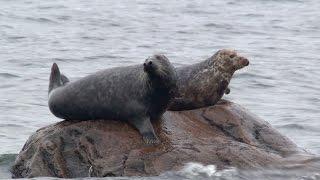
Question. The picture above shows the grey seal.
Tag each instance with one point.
(138, 94)
(204, 84)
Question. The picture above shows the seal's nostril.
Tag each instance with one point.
(246, 62)
(150, 62)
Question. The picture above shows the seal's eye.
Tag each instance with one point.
(232, 56)
(150, 62)
(144, 64)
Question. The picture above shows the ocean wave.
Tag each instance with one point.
(103, 57)
(193, 170)
(52, 7)
(6, 161)
(200, 171)
(6, 26)
(257, 84)
(294, 126)
(93, 38)
(219, 26)
(41, 20)
(9, 75)
(253, 15)
(246, 75)
(196, 169)
(16, 37)
(64, 17)
(6, 125)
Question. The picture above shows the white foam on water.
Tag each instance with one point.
(194, 169)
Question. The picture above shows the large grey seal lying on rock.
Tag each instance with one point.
(203, 84)
(136, 94)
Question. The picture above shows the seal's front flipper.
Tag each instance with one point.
(227, 91)
(150, 138)
(64, 79)
(55, 78)
(145, 128)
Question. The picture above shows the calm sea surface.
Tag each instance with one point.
(281, 38)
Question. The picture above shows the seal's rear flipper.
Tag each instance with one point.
(55, 77)
(64, 79)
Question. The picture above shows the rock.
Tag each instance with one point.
(224, 135)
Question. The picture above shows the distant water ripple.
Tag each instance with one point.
(281, 38)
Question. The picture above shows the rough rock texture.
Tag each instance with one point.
(224, 135)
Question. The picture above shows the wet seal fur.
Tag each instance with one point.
(203, 84)
(138, 94)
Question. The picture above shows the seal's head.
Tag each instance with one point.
(159, 68)
(229, 60)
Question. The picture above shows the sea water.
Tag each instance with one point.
(281, 38)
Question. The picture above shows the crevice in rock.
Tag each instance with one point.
(88, 154)
(74, 133)
(110, 174)
(222, 129)
(80, 156)
(60, 159)
(90, 140)
(190, 147)
(47, 160)
(262, 142)
(125, 158)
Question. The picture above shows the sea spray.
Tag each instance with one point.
(194, 169)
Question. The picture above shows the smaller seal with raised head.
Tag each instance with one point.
(138, 94)
(203, 84)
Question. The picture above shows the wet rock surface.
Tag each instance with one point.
(224, 135)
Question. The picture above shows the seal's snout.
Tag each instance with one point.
(244, 61)
(148, 65)
(240, 62)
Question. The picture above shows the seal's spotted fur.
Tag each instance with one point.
(203, 84)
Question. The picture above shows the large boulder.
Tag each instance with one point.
(224, 135)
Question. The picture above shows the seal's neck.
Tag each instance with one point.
(162, 85)
(223, 70)
(161, 82)
(217, 66)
